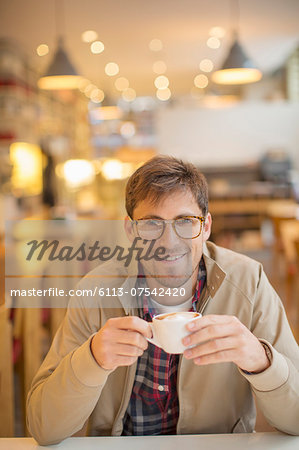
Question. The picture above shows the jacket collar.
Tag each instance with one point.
(215, 274)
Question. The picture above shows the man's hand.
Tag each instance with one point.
(220, 338)
(120, 341)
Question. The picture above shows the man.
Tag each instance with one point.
(101, 370)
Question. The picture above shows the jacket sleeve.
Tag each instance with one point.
(276, 388)
(68, 384)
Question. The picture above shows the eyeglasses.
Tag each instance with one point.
(188, 227)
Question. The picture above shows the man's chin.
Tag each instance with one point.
(171, 277)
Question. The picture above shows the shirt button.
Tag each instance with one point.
(169, 411)
(160, 388)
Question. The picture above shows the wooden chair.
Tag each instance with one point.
(279, 212)
(297, 252)
(27, 329)
(6, 359)
(289, 233)
(296, 296)
(6, 375)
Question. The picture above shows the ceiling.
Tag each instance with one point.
(268, 30)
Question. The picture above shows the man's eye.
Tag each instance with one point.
(185, 220)
(153, 223)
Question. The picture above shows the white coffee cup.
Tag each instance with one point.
(170, 328)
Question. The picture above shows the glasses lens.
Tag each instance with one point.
(150, 229)
(188, 227)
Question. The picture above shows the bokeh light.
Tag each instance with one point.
(111, 69)
(217, 32)
(97, 95)
(213, 42)
(97, 47)
(89, 88)
(121, 83)
(129, 95)
(78, 172)
(163, 94)
(127, 129)
(161, 82)
(89, 36)
(155, 45)
(159, 67)
(83, 83)
(206, 65)
(201, 81)
(42, 50)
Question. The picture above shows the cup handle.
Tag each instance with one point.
(153, 340)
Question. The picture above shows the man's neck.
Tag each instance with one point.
(172, 295)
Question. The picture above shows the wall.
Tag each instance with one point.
(238, 134)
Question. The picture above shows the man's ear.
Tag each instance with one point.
(129, 229)
(207, 227)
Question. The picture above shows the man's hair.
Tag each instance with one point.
(162, 175)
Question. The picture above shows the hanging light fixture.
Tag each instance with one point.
(61, 73)
(107, 110)
(237, 67)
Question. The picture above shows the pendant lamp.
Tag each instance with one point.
(61, 73)
(107, 110)
(237, 67)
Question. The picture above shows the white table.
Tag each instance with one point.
(252, 441)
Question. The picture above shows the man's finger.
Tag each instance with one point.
(211, 319)
(131, 338)
(128, 350)
(211, 347)
(210, 332)
(133, 323)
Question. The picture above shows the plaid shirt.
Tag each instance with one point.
(154, 407)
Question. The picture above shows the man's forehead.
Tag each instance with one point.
(174, 200)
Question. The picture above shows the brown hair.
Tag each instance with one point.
(161, 175)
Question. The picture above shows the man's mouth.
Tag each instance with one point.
(174, 257)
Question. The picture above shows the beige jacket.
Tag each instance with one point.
(70, 388)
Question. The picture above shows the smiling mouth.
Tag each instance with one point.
(172, 258)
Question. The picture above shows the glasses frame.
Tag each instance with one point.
(172, 221)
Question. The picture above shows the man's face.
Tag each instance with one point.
(184, 254)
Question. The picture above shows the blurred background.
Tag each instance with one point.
(89, 90)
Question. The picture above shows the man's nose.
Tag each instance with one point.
(169, 238)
